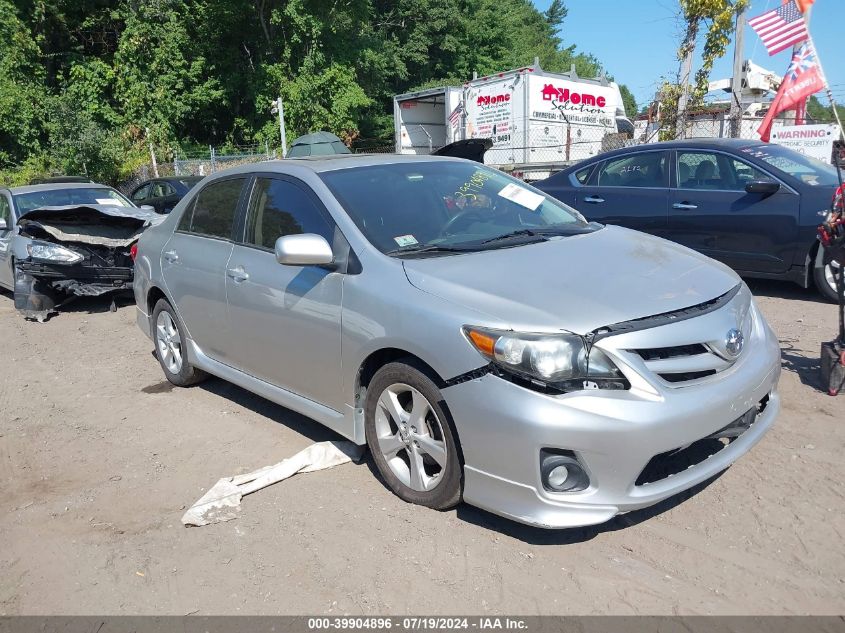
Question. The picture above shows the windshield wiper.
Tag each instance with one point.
(517, 233)
(427, 248)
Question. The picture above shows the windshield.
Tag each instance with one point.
(808, 170)
(443, 205)
(60, 197)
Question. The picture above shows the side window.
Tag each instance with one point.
(743, 173)
(213, 212)
(5, 212)
(644, 169)
(142, 193)
(582, 174)
(704, 170)
(162, 189)
(279, 207)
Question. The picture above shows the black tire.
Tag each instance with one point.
(187, 374)
(827, 290)
(446, 493)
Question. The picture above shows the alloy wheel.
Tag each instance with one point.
(410, 437)
(168, 342)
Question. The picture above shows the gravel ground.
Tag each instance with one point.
(99, 458)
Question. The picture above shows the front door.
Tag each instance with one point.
(286, 319)
(711, 212)
(630, 191)
(194, 262)
(7, 275)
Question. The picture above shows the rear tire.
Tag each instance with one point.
(825, 279)
(411, 437)
(170, 341)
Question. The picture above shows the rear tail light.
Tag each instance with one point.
(133, 251)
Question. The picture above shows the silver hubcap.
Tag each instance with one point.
(410, 437)
(831, 272)
(168, 343)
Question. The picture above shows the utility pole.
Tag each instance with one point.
(738, 77)
(686, 71)
(279, 107)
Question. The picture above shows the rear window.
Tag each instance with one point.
(213, 211)
(60, 197)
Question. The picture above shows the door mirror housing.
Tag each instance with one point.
(148, 207)
(306, 249)
(3, 225)
(766, 187)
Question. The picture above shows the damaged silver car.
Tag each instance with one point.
(59, 241)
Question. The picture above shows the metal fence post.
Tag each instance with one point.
(213, 166)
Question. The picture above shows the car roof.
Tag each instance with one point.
(332, 162)
(53, 186)
(690, 143)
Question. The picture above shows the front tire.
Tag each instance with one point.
(170, 341)
(411, 437)
(825, 279)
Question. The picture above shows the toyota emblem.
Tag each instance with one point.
(734, 341)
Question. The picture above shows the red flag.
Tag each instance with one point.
(803, 78)
(803, 5)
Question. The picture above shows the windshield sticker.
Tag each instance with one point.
(522, 197)
(405, 240)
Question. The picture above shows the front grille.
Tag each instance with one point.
(687, 376)
(662, 353)
(676, 461)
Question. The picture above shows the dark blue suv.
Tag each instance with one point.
(754, 206)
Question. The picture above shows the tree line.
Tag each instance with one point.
(87, 85)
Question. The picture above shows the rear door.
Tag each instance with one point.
(630, 190)
(712, 213)
(7, 275)
(194, 262)
(285, 320)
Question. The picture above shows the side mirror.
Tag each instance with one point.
(766, 187)
(306, 249)
(148, 207)
(3, 226)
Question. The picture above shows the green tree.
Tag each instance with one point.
(628, 101)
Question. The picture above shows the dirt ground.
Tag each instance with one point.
(99, 458)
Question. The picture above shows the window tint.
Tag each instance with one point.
(645, 169)
(142, 193)
(582, 174)
(279, 207)
(711, 170)
(213, 212)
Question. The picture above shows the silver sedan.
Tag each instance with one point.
(484, 340)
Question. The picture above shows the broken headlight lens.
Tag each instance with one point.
(53, 253)
(549, 358)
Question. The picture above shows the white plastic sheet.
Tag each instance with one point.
(223, 501)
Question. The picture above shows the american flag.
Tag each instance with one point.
(456, 114)
(781, 28)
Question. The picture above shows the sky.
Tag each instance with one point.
(637, 41)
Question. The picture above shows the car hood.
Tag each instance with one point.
(100, 224)
(578, 283)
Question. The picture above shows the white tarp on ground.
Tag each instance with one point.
(223, 501)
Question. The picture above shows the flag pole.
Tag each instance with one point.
(826, 86)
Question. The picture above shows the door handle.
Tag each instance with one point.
(684, 205)
(238, 274)
(593, 199)
(171, 256)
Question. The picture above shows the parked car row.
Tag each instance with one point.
(751, 205)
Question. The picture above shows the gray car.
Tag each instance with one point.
(482, 339)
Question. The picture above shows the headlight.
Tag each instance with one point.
(52, 253)
(548, 358)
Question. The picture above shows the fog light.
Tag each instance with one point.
(561, 471)
(558, 475)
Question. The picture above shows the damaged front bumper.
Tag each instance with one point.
(40, 288)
